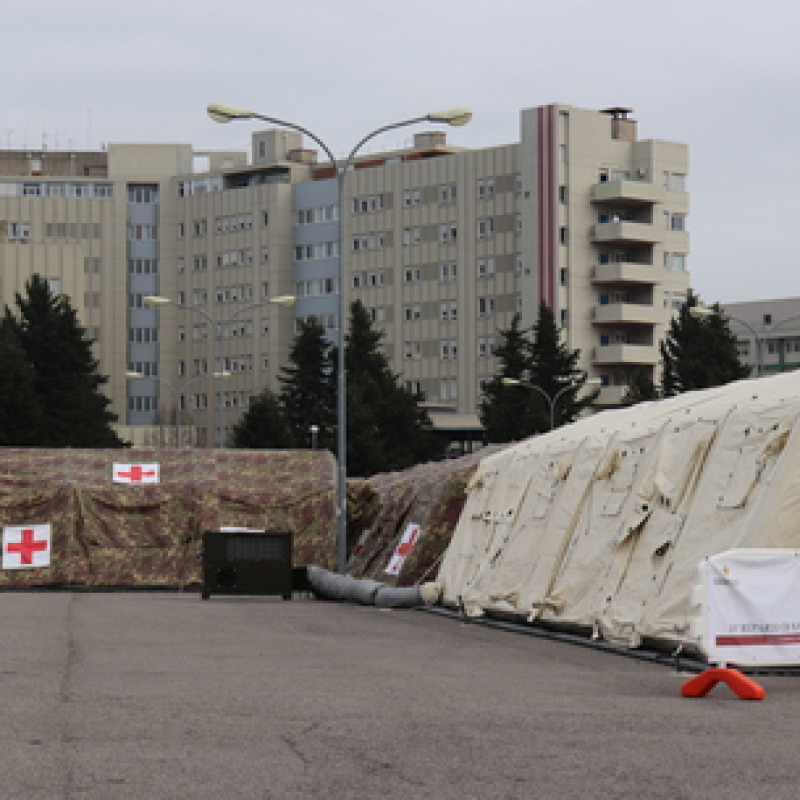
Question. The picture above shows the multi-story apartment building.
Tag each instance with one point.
(442, 245)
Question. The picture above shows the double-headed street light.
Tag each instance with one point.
(176, 393)
(551, 399)
(453, 116)
(153, 301)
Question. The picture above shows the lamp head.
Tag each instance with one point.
(220, 112)
(285, 300)
(451, 116)
(153, 300)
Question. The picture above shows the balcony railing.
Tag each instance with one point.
(627, 312)
(624, 231)
(627, 192)
(625, 354)
(626, 272)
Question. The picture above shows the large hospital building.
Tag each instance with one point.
(442, 245)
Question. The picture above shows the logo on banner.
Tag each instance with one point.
(403, 549)
(26, 546)
(135, 473)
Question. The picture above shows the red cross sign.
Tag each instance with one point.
(26, 546)
(135, 473)
(403, 549)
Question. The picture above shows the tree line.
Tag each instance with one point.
(51, 391)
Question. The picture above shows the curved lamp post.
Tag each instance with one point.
(219, 112)
(551, 399)
(153, 301)
(701, 312)
(132, 375)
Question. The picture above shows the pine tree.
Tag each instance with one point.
(263, 425)
(699, 352)
(75, 411)
(548, 382)
(640, 388)
(386, 428)
(308, 393)
(21, 416)
(507, 412)
(554, 369)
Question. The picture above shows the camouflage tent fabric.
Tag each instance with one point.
(110, 534)
(380, 508)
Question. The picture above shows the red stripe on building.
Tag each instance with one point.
(545, 203)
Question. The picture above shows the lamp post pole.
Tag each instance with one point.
(219, 329)
(176, 393)
(456, 116)
(698, 312)
(551, 399)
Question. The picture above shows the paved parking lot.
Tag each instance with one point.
(161, 695)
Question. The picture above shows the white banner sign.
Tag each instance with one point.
(135, 473)
(403, 549)
(26, 546)
(753, 606)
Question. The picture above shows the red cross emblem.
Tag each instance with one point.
(403, 549)
(135, 473)
(26, 546)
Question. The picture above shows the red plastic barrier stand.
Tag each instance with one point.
(744, 687)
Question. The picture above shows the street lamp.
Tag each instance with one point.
(314, 430)
(220, 112)
(702, 312)
(284, 300)
(176, 393)
(551, 399)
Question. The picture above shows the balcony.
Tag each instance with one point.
(626, 272)
(625, 354)
(620, 232)
(628, 192)
(640, 313)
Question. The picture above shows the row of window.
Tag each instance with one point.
(233, 222)
(309, 216)
(314, 252)
(55, 189)
(316, 287)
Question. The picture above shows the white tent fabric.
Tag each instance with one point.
(602, 523)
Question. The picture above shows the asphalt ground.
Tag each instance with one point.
(161, 695)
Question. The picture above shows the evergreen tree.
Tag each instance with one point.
(640, 388)
(549, 377)
(507, 412)
(698, 353)
(21, 417)
(308, 394)
(263, 425)
(386, 428)
(75, 411)
(554, 369)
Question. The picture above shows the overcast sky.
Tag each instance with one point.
(720, 75)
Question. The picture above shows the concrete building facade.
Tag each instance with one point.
(442, 245)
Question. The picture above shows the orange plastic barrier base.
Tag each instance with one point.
(744, 687)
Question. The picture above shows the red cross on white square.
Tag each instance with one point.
(403, 549)
(135, 473)
(26, 546)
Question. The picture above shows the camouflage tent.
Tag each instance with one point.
(111, 534)
(381, 508)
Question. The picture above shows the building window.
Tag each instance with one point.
(485, 188)
(448, 232)
(447, 193)
(486, 228)
(485, 268)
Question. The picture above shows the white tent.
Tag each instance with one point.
(602, 523)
